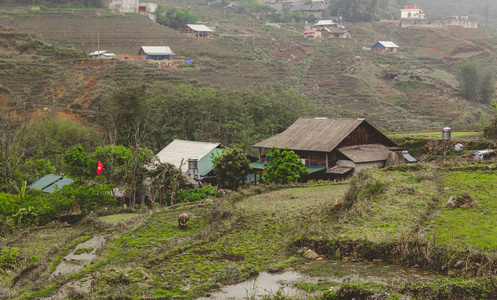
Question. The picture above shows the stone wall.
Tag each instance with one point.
(438, 23)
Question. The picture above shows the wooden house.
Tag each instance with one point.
(335, 148)
(156, 52)
(325, 24)
(334, 32)
(197, 31)
(312, 34)
(385, 47)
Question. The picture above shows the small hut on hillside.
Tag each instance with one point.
(156, 52)
(197, 31)
(178, 152)
(103, 54)
(385, 46)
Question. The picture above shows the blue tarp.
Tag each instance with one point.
(188, 62)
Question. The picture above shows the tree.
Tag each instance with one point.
(165, 181)
(283, 166)
(13, 120)
(469, 80)
(177, 18)
(487, 88)
(231, 167)
(50, 138)
(127, 116)
(80, 165)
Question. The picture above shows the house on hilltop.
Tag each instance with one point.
(385, 46)
(411, 11)
(197, 31)
(179, 152)
(335, 148)
(156, 52)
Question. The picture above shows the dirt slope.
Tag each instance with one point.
(338, 75)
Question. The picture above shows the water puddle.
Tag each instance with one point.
(334, 273)
(264, 284)
(83, 254)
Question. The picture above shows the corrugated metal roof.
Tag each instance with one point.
(179, 150)
(324, 22)
(388, 44)
(58, 185)
(320, 134)
(257, 165)
(365, 153)
(44, 182)
(51, 183)
(408, 157)
(157, 50)
(339, 170)
(335, 30)
(202, 28)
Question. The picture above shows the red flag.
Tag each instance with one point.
(100, 166)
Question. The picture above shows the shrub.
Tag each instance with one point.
(196, 194)
(231, 168)
(283, 167)
(9, 258)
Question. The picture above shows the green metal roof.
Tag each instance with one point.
(311, 169)
(205, 165)
(51, 183)
(44, 182)
(58, 185)
(257, 165)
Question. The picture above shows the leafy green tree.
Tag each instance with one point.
(177, 18)
(487, 88)
(127, 115)
(283, 166)
(116, 159)
(50, 138)
(34, 169)
(469, 80)
(165, 181)
(86, 197)
(13, 120)
(231, 167)
(80, 165)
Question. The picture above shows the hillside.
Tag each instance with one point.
(361, 232)
(337, 75)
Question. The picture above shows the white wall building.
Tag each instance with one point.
(411, 11)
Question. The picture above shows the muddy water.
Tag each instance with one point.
(336, 273)
(74, 262)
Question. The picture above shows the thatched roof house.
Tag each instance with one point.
(337, 146)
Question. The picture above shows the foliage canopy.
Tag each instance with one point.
(283, 166)
(231, 167)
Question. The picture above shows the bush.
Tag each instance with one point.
(283, 167)
(9, 258)
(231, 168)
(196, 194)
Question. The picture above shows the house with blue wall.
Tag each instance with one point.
(156, 52)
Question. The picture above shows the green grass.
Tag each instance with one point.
(437, 135)
(472, 227)
(118, 218)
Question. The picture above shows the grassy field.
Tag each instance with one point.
(396, 215)
(460, 136)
